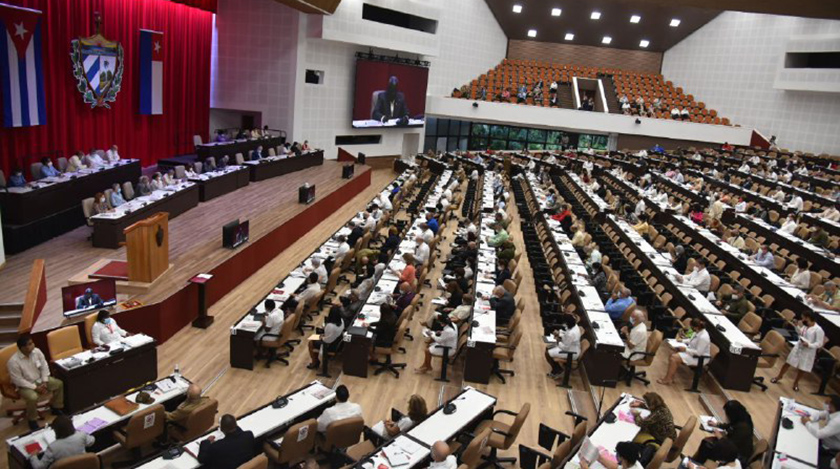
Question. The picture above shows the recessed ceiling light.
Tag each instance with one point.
(606, 40)
(675, 22)
(517, 8)
(644, 43)
(556, 11)
(635, 19)
(596, 15)
(569, 36)
(532, 33)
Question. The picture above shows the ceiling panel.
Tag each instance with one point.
(575, 18)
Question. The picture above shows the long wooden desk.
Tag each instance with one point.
(265, 422)
(273, 166)
(218, 150)
(108, 228)
(217, 183)
(99, 421)
(91, 377)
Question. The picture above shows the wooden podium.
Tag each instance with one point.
(147, 248)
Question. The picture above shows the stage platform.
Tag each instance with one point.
(276, 221)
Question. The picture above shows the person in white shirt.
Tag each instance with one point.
(804, 353)
(446, 339)
(637, 336)
(375, 211)
(343, 249)
(789, 226)
(417, 412)
(157, 182)
(697, 156)
(828, 434)
(94, 160)
(795, 203)
(169, 178)
(699, 278)
(678, 177)
(778, 196)
(698, 346)
(741, 206)
(626, 457)
(640, 207)
(745, 168)
(830, 213)
(340, 411)
(675, 113)
(594, 254)
(771, 175)
(30, 374)
(428, 234)
(370, 222)
(312, 290)
(801, 277)
(75, 163)
(319, 269)
(272, 322)
(421, 251)
(385, 202)
(105, 330)
(112, 156)
(567, 340)
(442, 457)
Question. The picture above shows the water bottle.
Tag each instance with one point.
(177, 372)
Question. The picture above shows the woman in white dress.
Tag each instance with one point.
(446, 337)
(567, 340)
(698, 346)
(105, 330)
(803, 354)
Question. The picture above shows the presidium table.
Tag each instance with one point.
(52, 206)
(230, 149)
(273, 166)
(96, 375)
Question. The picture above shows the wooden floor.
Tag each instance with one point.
(203, 357)
(194, 243)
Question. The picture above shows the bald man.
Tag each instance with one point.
(194, 399)
(442, 457)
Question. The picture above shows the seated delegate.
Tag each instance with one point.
(105, 330)
(68, 442)
(236, 448)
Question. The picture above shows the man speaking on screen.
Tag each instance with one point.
(391, 104)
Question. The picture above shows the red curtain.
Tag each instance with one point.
(72, 125)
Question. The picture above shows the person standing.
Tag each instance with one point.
(30, 373)
(804, 353)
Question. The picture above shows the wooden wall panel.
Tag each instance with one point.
(638, 60)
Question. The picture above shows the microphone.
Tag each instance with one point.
(450, 408)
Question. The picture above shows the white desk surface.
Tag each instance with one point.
(125, 343)
(210, 175)
(416, 454)
(263, 421)
(608, 435)
(441, 427)
(797, 442)
(64, 177)
(46, 435)
(142, 201)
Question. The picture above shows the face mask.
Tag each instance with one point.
(825, 407)
(109, 321)
(632, 322)
(50, 165)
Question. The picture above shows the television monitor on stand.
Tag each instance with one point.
(87, 297)
(306, 193)
(347, 171)
(235, 234)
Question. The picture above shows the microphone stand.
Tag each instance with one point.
(604, 384)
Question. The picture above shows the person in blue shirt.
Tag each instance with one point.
(256, 154)
(618, 304)
(657, 149)
(432, 222)
(17, 179)
(47, 168)
(116, 196)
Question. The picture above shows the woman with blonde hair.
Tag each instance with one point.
(417, 412)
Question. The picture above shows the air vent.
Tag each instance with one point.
(357, 139)
(398, 18)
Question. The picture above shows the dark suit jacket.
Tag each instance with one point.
(382, 108)
(228, 453)
(504, 306)
(82, 302)
(354, 236)
(255, 155)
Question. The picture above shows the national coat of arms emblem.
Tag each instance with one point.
(97, 67)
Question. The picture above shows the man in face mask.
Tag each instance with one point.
(828, 434)
(735, 305)
(391, 104)
(47, 168)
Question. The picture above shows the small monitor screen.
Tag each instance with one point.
(85, 297)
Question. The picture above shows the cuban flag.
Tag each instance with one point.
(21, 67)
(151, 72)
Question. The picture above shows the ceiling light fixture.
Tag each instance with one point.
(675, 22)
(532, 33)
(517, 8)
(635, 19)
(644, 43)
(556, 11)
(596, 15)
(569, 36)
(606, 40)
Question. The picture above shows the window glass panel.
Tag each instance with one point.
(497, 144)
(518, 134)
(536, 136)
(499, 131)
(429, 143)
(480, 130)
(551, 146)
(515, 145)
(442, 127)
(535, 146)
(454, 128)
(553, 137)
(441, 144)
(451, 144)
(465, 128)
(431, 126)
(477, 143)
(462, 143)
